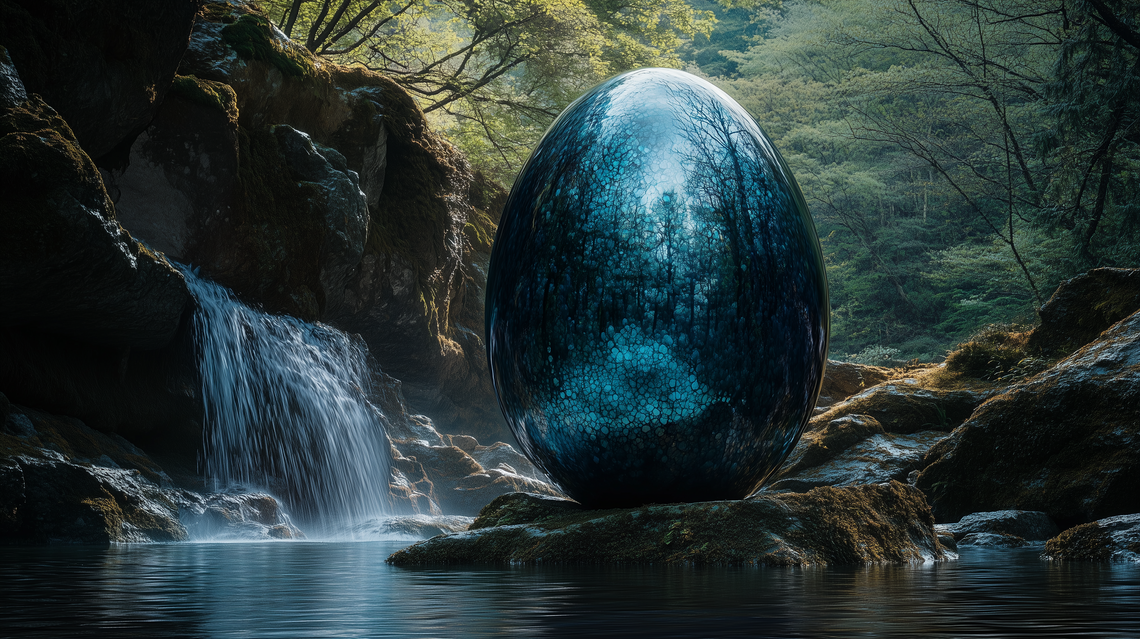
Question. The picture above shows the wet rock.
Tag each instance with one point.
(1065, 442)
(849, 443)
(1084, 306)
(61, 481)
(105, 65)
(72, 503)
(500, 454)
(234, 517)
(992, 540)
(905, 407)
(1025, 524)
(857, 525)
(12, 93)
(412, 491)
(339, 197)
(466, 443)
(844, 379)
(419, 428)
(876, 459)
(460, 484)
(1109, 539)
(66, 266)
(411, 527)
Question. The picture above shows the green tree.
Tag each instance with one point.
(1095, 142)
(494, 73)
(928, 135)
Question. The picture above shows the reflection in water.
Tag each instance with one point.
(346, 590)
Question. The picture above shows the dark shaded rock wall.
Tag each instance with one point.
(105, 65)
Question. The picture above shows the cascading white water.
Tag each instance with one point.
(287, 410)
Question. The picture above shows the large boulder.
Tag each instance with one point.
(66, 266)
(887, 523)
(104, 64)
(1065, 442)
(877, 434)
(93, 321)
(64, 482)
(1084, 306)
(1109, 539)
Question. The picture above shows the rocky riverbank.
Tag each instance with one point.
(193, 131)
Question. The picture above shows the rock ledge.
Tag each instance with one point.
(882, 523)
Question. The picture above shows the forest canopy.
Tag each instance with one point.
(961, 157)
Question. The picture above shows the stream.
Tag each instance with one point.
(345, 589)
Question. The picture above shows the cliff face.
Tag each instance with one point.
(319, 191)
(308, 188)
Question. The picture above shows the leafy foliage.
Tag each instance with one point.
(493, 74)
(943, 146)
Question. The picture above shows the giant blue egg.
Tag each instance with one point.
(657, 312)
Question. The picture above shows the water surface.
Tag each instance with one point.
(314, 589)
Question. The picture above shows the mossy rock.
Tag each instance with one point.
(252, 37)
(1109, 539)
(905, 406)
(65, 264)
(1083, 307)
(1064, 442)
(888, 523)
(207, 93)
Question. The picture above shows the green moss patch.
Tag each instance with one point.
(251, 36)
(222, 12)
(207, 93)
(998, 353)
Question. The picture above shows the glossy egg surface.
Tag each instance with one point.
(657, 312)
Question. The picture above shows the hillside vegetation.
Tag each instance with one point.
(961, 157)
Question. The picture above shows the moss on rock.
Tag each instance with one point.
(1084, 306)
(251, 36)
(856, 525)
(215, 95)
(1110, 539)
(905, 406)
(1064, 442)
(990, 353)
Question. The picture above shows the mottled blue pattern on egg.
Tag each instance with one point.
(657, 313)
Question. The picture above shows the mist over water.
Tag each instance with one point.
(287, 412)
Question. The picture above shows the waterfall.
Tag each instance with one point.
(287, 411)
